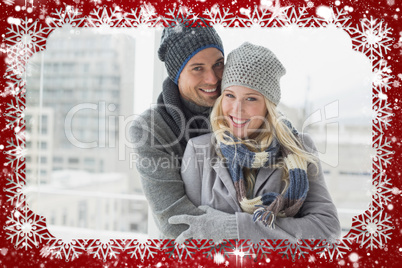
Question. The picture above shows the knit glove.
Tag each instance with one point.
(214, 224)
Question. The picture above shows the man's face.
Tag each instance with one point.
(199, 82)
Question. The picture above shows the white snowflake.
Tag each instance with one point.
(301, 248)
(373, 229)
(382, 111)
(27, 35)
(384, 155)
(15, 85)
(224, 249)
(105, 250)
(68, 16)
(185, 250)
(66, 250)
(373, 38)
(16, 61)
(382, 114)
(382, 77)
(261, 249)
(43, 11)
(16, 153)
(219, 17)
(142, 250)
(381, 190)
(26, 229)
(337, 17)
(14, 192)
(278, 11)
(146, 15)
(295, 16)
(178, 15)
(23, 40)
(105, 18)
(332, 250)
(14, 114)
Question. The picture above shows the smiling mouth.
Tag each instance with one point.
(238, 122)
(212, 90)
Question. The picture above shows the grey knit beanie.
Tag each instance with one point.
(180, 43)
(255, 67)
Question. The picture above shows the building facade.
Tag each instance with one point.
(79, 91)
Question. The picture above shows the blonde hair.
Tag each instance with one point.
(272, 127)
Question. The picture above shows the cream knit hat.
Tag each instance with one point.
(255, 67)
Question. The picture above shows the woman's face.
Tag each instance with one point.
(244, 110)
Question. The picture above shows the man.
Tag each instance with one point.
(194, 60)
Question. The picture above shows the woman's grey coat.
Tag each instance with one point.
(208, 182)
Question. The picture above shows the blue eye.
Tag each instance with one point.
(219, 64)
(197, 68)
(251, 99)
(229, 95)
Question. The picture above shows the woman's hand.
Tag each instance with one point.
(214, 224)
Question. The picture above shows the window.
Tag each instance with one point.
(57, 159)
(133, 226)
(89, 161)
(44, 119)
(68, 93)
(43, 129)
(68, 67)
(82, 212)
(86, 68)
(43, 159)
(355, 173)
(73, 160)
(43, 145)
(115, 94)
(56, 68)
(64, 217)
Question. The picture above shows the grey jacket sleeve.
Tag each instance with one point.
(157, 161)
(317, 218)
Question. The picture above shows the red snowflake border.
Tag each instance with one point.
(26, 230)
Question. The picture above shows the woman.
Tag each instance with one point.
(256, 176)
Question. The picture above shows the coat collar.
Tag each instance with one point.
(263, 175)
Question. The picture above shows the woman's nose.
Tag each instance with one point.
(238, 107)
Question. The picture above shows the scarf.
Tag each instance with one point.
(186, 120)
(269, 206)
